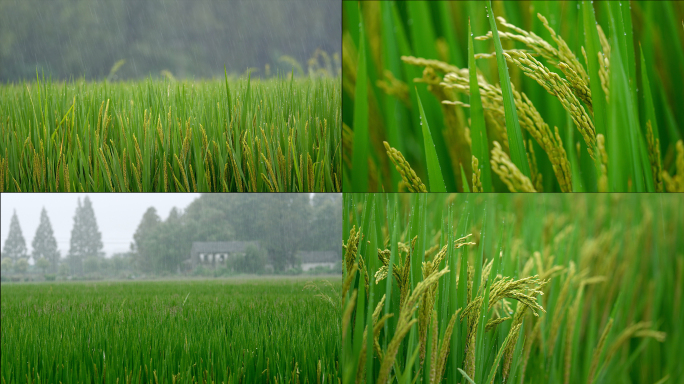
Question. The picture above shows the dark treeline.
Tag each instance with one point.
(282, 224)
(74, 38)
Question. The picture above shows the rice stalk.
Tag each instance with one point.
(599, 350)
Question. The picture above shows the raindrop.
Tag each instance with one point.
(625, 33)
(488, 15)
(578, 5)
(471, 34)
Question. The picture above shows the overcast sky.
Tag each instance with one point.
(117, 215)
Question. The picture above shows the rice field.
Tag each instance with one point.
(225, 135)
(225, 331)
(497, 288)
(543, 96)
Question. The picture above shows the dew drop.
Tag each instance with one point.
(471, 34)
(578, 5)
(625, 33)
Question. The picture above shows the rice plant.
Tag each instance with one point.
(536, 96)
(497, 288)
(239, 331)
(247, 135)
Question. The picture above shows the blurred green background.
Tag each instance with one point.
(74, 38)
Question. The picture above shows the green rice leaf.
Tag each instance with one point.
(515, 138)
(436, 182)
(464, 180)
(630, 55)
(398, 129)
(598, 97)
(478, 129)
(360, 154)
(465, 375)
(648, 98)
(423, 38)
(629, 163)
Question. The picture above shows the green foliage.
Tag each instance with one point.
(43, 264)
(249, 331)
(7, 264)
(252, 261)
(274, 135)
(530, 285)
(21, 265)
(91, 264)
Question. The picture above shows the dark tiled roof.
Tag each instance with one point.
(221, 246)
(319, 256)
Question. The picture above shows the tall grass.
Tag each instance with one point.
(276, 135)
(575, 96)
(512, 288)
(252, 331)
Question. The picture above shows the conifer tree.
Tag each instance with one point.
(15, 245)
(86, 240)
(44, 244)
